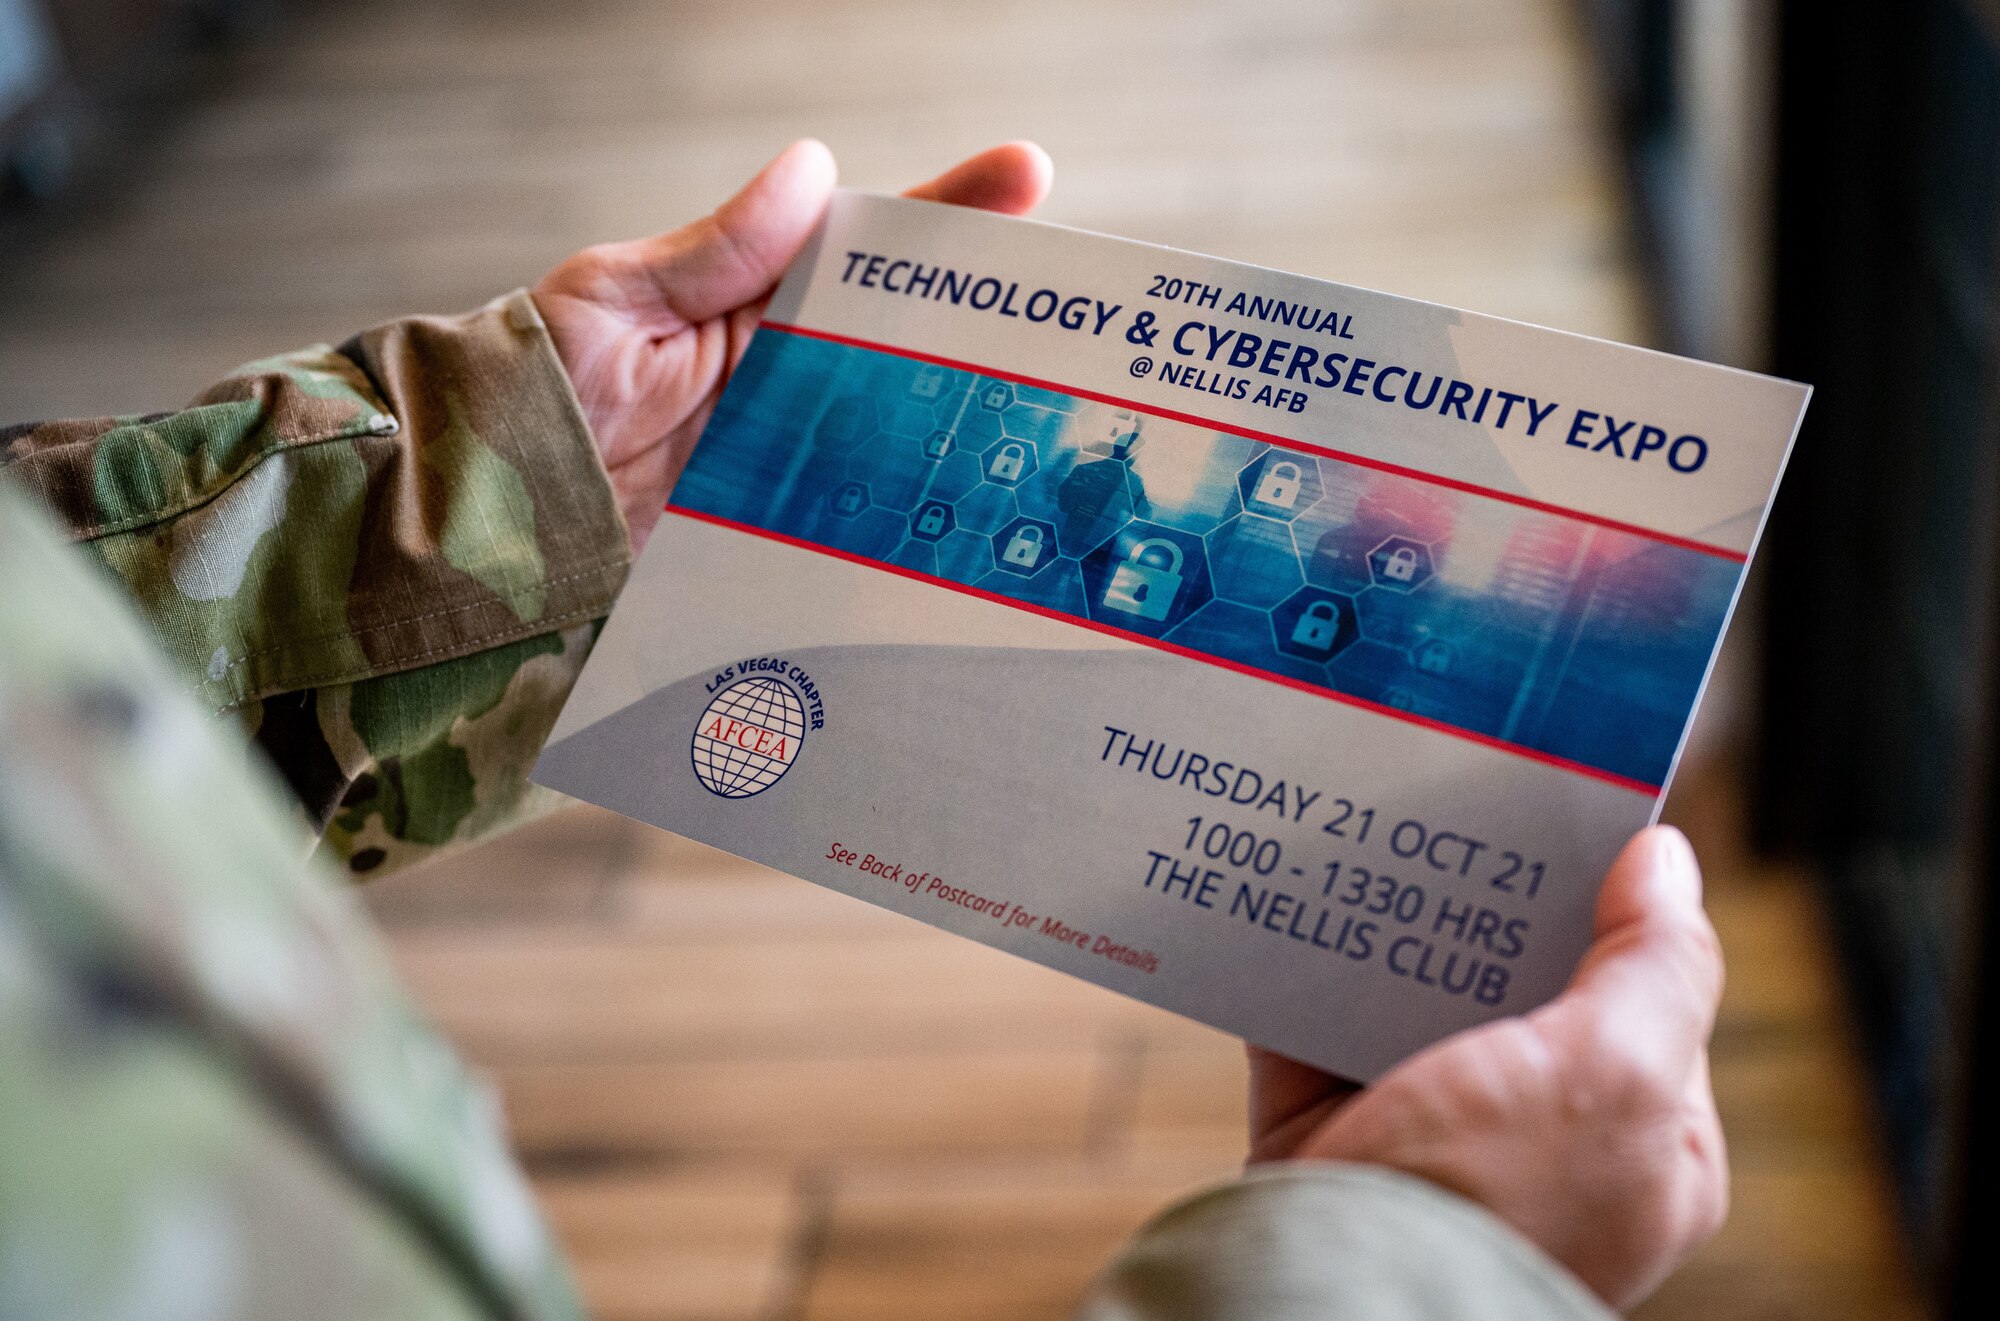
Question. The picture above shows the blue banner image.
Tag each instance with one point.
(1552, 634)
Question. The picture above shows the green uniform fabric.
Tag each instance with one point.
(214, 1102)
(387, 562)
(1327, 1242)
(386, 559)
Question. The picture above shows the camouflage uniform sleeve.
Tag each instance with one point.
(215, 1101)
(1307, 1240)
(387, 560)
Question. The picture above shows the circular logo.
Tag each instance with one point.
(748, 737)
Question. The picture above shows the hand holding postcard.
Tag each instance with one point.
(1292, 656)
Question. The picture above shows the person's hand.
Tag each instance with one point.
(1588, 1124)
(650, 330)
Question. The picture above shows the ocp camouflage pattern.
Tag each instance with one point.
(388, 560)
(214, 1101)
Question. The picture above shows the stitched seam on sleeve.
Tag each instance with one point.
(98, 531)
(562, 623)
(523, 629)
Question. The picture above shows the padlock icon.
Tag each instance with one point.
(1008, 464)
(997, 396)
(848, 501)
(1025, 546)
(1401, 565)
(1147, 589)
(938, 445)
(931, 522)
(1114, 434)
(1434, 658)
(1318, 626)
(929, 383)
(1280, 485)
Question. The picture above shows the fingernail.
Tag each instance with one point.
(1674, 857)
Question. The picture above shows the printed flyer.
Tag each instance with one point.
(1289, 655)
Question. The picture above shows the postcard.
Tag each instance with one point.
(1290, 655)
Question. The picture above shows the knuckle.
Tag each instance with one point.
(1632, 1073)
(582, 272)
(597, 257)
(1707, 1203)
(1715, 1209)
(1701, 951)
(1709, 1168)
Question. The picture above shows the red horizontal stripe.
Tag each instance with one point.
(1282, 442)
(1486, 740)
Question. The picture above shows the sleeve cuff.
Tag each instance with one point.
(1321, 1240)
(495, 508)
(425, 492)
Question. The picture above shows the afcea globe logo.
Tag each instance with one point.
(748, 737)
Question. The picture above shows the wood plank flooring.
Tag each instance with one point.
(742, 1096)
(813, 1109)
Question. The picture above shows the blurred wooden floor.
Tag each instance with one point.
(741, 1096)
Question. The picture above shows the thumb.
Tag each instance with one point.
(736, 254)
(1653, 976)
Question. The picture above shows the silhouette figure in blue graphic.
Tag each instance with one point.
(1340, 557)
(1098, 497)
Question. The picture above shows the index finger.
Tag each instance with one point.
(1012, 178)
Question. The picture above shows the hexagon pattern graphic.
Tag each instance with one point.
(1457, 607)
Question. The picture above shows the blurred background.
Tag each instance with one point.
(743, 1097)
